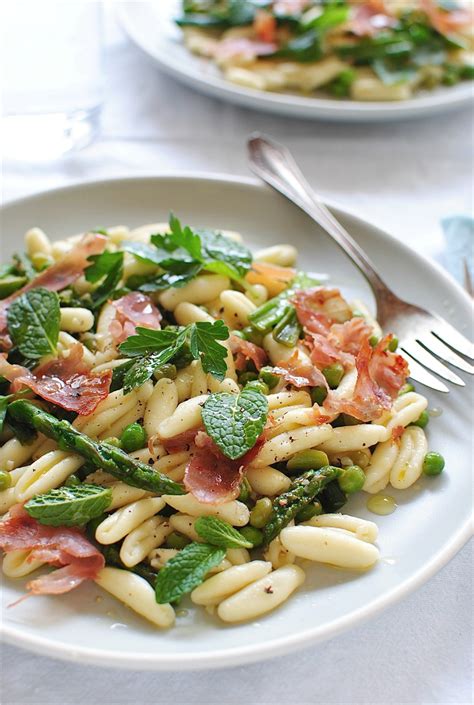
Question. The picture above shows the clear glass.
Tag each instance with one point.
(51, 56)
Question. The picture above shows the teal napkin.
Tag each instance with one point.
(458, 231)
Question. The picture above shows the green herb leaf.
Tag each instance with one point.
(220, 533)
(69, 506)
(33, 322)
(105, 290)
(3, 409)
(235, 421)
(145, 367)
(203, 337)
(186, 571)
(101, 265)
(169, 279)
(147, 340)
(221, 250)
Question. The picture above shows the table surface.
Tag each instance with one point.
(403, 177)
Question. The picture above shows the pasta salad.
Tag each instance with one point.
(365, 50)
(180, 417)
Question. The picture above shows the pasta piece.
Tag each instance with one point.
(282, 255)
(238, 556)
(235, 512)
(213, 590)
(161, 404)
(8, 496)
(76, 320)
(199, 383)
(237, 308)
(408, 465)
(277, 554)
(128, 518)
(137, 594)
(18, 564)
(406, 409)
(372, 88)
(377, 472)
(200, 290)
(184, 383)
(332, 546)
(66, 342)
(123, 494)
(186, 313)
(139, 542)
(290, 418)
(46, 473)
(184, 524)
(267, 481)
(261, 596)
(186, 417)
(286, 444)
(294, 398)
(363, 529)
(37, 243)
(115, 412)
(359, 307)
(14, 454)
(346, 438)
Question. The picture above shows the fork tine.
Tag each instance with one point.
(425, 358)
(452, 337)
(420, 374)
(434, 345)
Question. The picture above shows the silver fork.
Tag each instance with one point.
(425, 338)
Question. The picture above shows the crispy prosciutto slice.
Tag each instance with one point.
(370, 17)
(380, 375)
(350, 335)
(134, 309)
(447, 21)
(59, 546)
(265, 26)
(324, 352)
(319, 308)
(66, 382)
(300, 374)
(57, 277)
(210, 476)
(245, 351)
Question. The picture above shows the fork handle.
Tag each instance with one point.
(275, 165)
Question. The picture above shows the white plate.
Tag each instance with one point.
(150, 25)
(428, 528)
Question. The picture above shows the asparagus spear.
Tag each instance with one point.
(101, 455)
(302, 491)
(266, 317)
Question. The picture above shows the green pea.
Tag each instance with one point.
(373, 340)
(176, 540)
(422, 420)
(245, 490)
(308, 460)
(113, 441)
(433, 463)
(72, 481)
(393, 344)
(352, 479)
(247, 377)
(267, 375)
(260, 514)
(5, 480)
(252, 335)
(250, 533)
(168, 371)
(407, 387)
(133, 437)
(333, 373)
(259, 385)
(313, 509)
(318, 394)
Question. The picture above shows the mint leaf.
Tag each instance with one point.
(101, 265)
(69, 506)
(104, 291)
(220, 533)
(33, 322)
(3, 409)
(203, 344)
(235, 421)
(186, 571)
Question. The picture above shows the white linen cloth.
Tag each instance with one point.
(403, 177)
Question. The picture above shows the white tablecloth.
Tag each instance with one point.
(403, 177)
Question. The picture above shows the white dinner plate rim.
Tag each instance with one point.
(278, 646)
(293, 104)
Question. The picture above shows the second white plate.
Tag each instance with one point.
(151, 26)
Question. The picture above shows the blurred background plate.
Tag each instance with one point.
(150, 25)
(429, 526)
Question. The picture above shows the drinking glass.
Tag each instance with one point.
(51, 54)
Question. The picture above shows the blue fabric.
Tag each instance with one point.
(458, 231)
